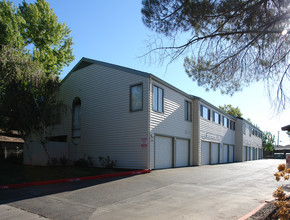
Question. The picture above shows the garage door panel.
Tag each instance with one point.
(163, 152)
(182, 153)
(225, 153)
(231, 154)
(205, 153)
(214, 153)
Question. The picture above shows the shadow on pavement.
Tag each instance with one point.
(14, 195)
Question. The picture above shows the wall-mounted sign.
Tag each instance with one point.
(144, 142)
(288, 161)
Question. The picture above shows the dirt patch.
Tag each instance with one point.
(265, 213)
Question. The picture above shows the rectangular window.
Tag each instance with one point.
(216, 117)
(136, 98)
(232, 125)
(205, 112)
(158, 97)
(226, 122)
(188, 111)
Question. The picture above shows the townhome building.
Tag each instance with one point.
(142, 122)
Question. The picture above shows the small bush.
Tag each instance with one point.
(52, 162)
(107, 162)
(63, 161)
(83, 162)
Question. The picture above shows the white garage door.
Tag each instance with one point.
(231, 154)
(214, 153)
(163, 152)
(204, 153)
(244, 153)
(225, 153)
(182, 155)
(250, 153)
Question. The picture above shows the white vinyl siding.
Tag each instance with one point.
(108, 127)
(171, 122)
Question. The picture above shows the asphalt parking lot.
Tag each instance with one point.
(226, 191)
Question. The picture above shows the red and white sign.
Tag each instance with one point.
(144, 142)
(288, 161)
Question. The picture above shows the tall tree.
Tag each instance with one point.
(232, 110)
(231, 43)
(34, 29)
(268, 140)
(34, 47)
(27, 96)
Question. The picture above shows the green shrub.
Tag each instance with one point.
(84, 162)
(63, 161)
(107, 162)
(52, 162)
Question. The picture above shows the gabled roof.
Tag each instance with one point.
(84, 62)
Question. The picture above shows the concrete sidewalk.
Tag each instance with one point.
(10, 213)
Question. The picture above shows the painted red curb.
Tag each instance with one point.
(253, 211)
(21, 185)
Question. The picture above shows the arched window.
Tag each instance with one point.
(76, 120)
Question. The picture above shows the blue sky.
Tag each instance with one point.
(112, 31)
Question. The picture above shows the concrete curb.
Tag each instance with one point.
(254, 211)
(111, 175)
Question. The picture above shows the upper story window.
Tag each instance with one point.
(226, 122)
(136, 97)
(158, 99)
(244, 128)
(232, 125)
(205, 112)
(76, 118)
(216, 117)
(188, 110)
